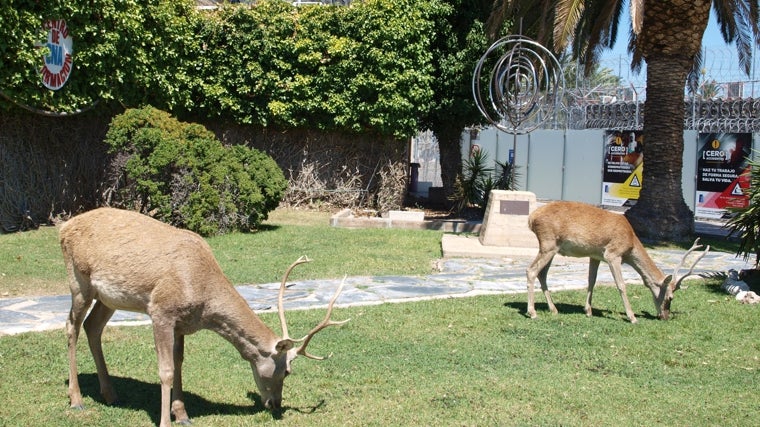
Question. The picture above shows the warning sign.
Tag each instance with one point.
(623, 167)
(722, 173)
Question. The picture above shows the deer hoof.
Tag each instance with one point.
(185, 422)
(79, 407)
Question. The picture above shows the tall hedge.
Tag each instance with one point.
(125, 51)
(363, 68)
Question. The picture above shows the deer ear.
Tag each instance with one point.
(669, 280)
(284, 345)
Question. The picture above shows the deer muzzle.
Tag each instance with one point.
(665, 311)
(273, 404)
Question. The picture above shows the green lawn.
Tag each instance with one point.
(471, 362)
(464, 361)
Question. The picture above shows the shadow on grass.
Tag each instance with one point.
(138, 395)
(714, 281)
(266, 227)
(542, 309)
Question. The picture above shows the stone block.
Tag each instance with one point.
(506, 220)
(406, 215)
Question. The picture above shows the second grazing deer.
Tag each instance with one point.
(128, 261)
(580, 230)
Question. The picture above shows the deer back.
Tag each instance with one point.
(581, 230)
(130, 261)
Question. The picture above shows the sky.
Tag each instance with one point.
(719, 59)
(712, 37)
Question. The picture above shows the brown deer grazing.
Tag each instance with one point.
(128, 261)
(580, 230)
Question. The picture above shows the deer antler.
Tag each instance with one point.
(678, 279)
(280, 306)
(323, 324)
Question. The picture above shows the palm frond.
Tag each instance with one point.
(567, 15)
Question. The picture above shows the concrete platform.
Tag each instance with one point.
(460, 245)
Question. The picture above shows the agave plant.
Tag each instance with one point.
(746, 221)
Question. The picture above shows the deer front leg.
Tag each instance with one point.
(163, 335)
(593, 269)
(79, 306)
(178, 399)
(615, 267)
(93, 326)
(539, 268)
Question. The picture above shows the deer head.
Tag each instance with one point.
(270, 371)
(673, 281)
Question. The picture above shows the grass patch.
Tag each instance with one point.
(31, 262)
(472, 361)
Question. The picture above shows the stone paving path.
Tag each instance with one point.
(457, 277)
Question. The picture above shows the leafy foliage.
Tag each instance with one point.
(181, 174)
(364, 68)
(746, 222)
(355, 68)
(123, 51)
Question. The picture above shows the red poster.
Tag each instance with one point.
(722, 173)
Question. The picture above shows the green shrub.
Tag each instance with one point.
(181, 174)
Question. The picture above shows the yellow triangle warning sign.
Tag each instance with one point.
(635, 181)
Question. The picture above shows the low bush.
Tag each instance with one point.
(181, 174)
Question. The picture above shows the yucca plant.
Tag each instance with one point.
(507, 178)
(471, 186)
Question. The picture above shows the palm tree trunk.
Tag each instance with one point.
(661, 212)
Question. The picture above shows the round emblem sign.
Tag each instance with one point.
(57, 66)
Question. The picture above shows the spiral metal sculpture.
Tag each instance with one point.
(523, 86)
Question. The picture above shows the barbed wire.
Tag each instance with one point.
(720, 67)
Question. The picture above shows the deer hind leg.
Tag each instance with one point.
(593, 269)
(178, 399)
(615, 267)
(79, 284)
(93, 326)
(540, 268)
(79, 306)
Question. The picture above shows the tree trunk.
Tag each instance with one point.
(661, 212)
(450, 149)
(670, 37)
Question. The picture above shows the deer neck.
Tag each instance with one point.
(639, 259)
(235, 321)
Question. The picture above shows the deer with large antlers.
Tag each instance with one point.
(128, 261)
(580, 230)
